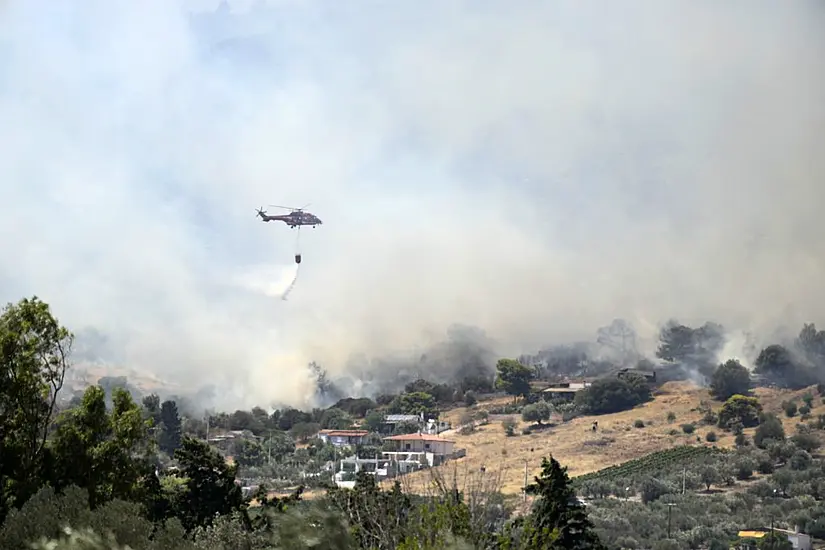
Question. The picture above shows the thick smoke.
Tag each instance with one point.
(533, 169)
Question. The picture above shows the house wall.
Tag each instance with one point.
(419, 446)
(800, 541)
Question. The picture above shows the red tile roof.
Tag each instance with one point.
(417, 437)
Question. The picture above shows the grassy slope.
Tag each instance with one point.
(575, 445)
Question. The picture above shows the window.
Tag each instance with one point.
(426, 445)
(407, 447)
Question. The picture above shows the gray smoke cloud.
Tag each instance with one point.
(534, 169)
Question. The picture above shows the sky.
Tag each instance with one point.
(534, 169)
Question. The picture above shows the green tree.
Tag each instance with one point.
(210, 485)
(170, 428)
(373, 421)
(304, 430)
(34, 357)
(537, 412)
(777, 364)
(513, 377)
(104, 453)
(740, 409)
(279, 445)
(335, 419)
(558, 520)
(770, 429)
(609, 395)
(414, 403)
(249, 453)
(151, 406)
(729, 379)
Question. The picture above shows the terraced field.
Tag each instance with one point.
(654, 463)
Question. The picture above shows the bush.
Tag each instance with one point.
(671, 416)
(765, 465)
(639, 423)
(611, 395)
(688, 428)
(801, 460)
(808, 399)
(769, 429)
(710, 437)
(470, 398)
(673, 432)
(804, 410)
(740, 409)
(806, 441)
(790, 408)
(536, 412)
(741, 440)
(509, 426)
(744, 470)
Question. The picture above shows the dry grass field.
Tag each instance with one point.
(581, 449)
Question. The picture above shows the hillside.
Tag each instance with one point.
(581, 449)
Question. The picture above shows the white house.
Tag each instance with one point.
(422, 443)
(341, 438)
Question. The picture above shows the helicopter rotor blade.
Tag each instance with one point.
(284, 207)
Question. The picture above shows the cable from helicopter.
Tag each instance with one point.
(296, 218)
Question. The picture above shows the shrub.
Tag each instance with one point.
(673, 432)
(671, 416)
(801, 460)
(741, 440)
(790, 408)
(509, 426)
(808, 399)
(688, 428)
(770, 429)
(470, 398)
(806, 441)
(611, 395)
(741, 409)
(536, 412)
(710, 437)
(744, 470)
(805, 410)
(639, 423)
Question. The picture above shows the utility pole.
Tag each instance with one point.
(207, 427)
(684, 480)
(525, 480)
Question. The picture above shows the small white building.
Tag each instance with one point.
(341, 438)
(437, 426)
(799, 541)
(416, 450)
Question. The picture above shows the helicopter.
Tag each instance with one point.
(296, 217)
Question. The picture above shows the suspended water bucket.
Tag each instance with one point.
(297, 258)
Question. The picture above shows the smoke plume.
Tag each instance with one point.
(533, 169)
